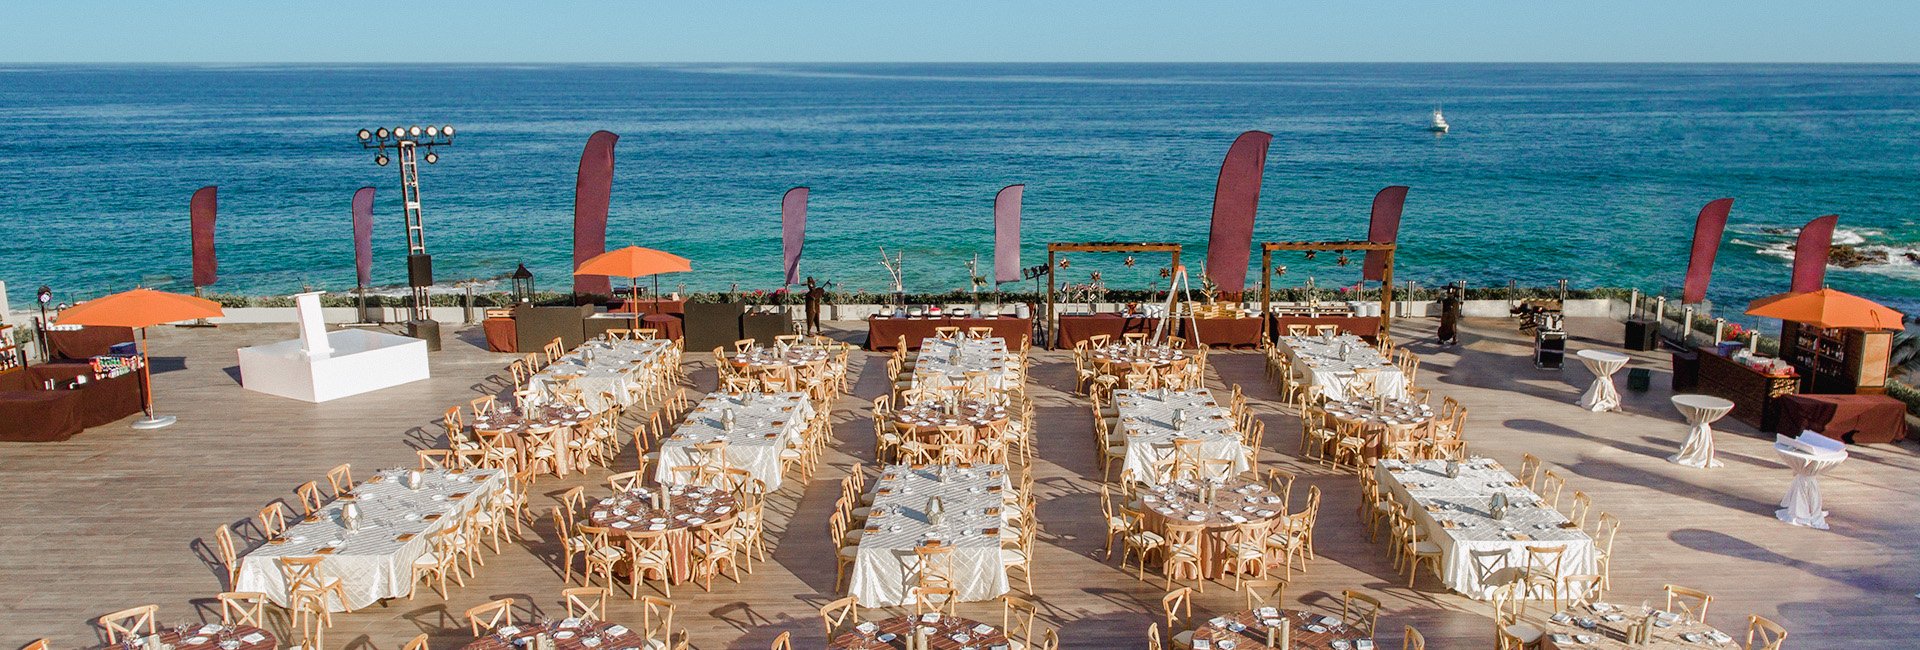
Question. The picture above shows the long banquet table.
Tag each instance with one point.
(885, 565)
(1147, 419)
(885, 333)
(1321, 363)
(763, 425)
(938, 357)
(375, 561)
(1465, 504)
(602, 366)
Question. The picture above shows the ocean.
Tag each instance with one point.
(1587, 173)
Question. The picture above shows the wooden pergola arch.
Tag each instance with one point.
(1097, 247)
(1386, 270)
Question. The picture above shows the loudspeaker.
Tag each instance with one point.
(1642, 335)
(1549, 349)
(420, 270)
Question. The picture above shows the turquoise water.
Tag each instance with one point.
(1591, 173)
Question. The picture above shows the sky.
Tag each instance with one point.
(484, 31)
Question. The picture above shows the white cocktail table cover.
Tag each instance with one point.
(885, 566)
(1602, 396)
(1146, 417)
(1466, 500)
(1317, 362)
(763, 425)
(371, 563)
(1809, 457)
(1700, 411)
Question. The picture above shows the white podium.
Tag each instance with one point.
(321, 366)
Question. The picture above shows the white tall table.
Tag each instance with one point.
(1700, 411)
(1602, 396)
(1809, 457)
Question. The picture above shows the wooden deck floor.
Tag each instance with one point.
(117, 517)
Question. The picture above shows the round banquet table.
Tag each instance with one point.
(567, 634)
(1700, 411)
(940, 636)
(515, 423)
(1235, 501)
(688, 507)
(763, 359)
(1253, 626)
(209, 636)
(1602, 396)
(1158, 357)
(1801, 506)
(925, 419)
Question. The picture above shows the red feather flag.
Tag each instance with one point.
(204, 207)
(1810, 254)
(592, 195)
(1006, 233)
(793, 230)
(363, 236)
(1236, 196)
(1383, 228)
(1707, 230)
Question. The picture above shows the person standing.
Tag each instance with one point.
(1450, 304)
(816, 294)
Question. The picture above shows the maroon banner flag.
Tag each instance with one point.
(1236, 195)
(1810, 253)
(1006, 233)
(1383, 228)
(363, 236)
(201, 212)
(1707, 230)
(592, 194)
(793, 230)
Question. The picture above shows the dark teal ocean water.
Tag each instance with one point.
(1591, 173)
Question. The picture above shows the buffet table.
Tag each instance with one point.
(1367, 327)
(1755, 396)
(1075, 328)
(84, 343)
(1855, 419)
(1224, 332)
(31, 413)
(884, 333)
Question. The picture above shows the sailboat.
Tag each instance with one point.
(1439, 124)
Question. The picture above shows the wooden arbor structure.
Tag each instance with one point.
(1096, 247)
(1386, 270)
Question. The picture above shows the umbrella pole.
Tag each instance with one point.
(633, 287)
(146, 388)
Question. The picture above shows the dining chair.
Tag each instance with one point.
(273, 520)
(782, 642)
(310, 499)
(934, 566)
(1017, 616)
(934, 599)
(340, 479)
(1181, 556)
(656, 622)
(1359, 611)
(485, 618)
(1688, 602)
(1413, 640)
(418, 642)
(1177, 608)
(648, 558)
(243, 608)
(585, 602)
(229, 556)
(131, 623)
(1509, 606)
(1770, 635)
(840, 616)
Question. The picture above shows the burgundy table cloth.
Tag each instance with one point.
(1075, 328)
(86, 342)
(1224, 332)
(1855, 419)
(885, 333)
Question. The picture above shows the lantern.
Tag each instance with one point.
(522, 284)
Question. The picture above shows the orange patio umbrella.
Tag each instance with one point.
(634, 262)
(1827, 308)
(141, 309)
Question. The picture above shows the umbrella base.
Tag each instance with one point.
(154, 422)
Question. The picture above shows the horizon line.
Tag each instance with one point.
(959, 62)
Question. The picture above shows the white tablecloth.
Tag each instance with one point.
(1467, 501)
(1146, 417)
(763, 424)
(885, 566)
(1801, 506)
(1319, 362)
(989, 355)
(603, 367)
(370, 563)
(1602, 396)
(1700, 411)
